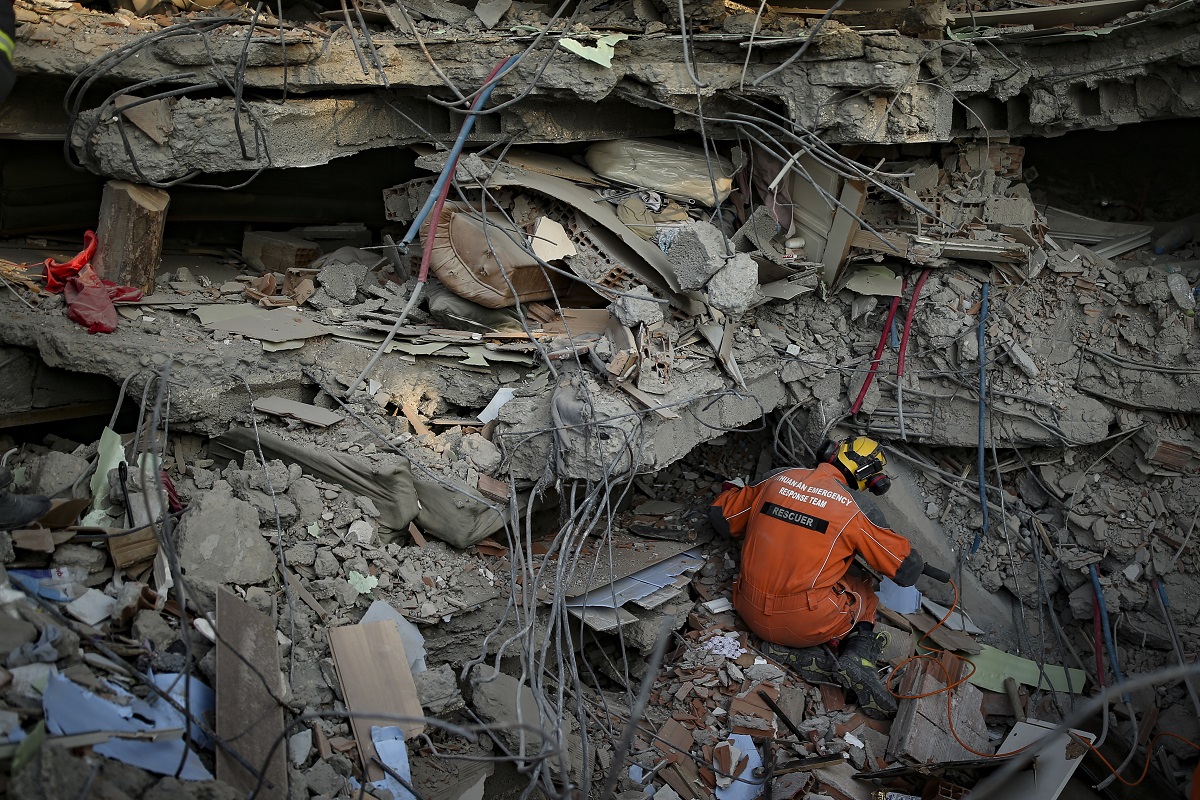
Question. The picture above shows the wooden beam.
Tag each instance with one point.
(56, 413)
(132, 218)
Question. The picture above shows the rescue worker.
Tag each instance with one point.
(796, 591)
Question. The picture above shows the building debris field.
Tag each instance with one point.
(381, 360)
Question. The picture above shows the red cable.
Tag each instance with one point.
(887, 327)
(436, 212)
(908, 318)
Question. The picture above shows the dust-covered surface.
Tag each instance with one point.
(497, 428)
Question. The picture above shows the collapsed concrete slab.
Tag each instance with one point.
(878, 86)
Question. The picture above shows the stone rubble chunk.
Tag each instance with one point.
(55, 471)
(220, 541)
(632, 311)
(438, 691)
(698, 253)
(734, 288)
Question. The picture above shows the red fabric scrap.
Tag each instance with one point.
(89, 297)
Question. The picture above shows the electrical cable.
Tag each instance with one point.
(983, 313)
(875, 359)
(908, 318)
(435, 202)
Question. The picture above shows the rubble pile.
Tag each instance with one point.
(415, 507)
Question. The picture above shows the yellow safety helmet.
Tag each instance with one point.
(861, 461)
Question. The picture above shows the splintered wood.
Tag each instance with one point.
(249, 718)
(924, 733)
(132, 219)
(376, 680)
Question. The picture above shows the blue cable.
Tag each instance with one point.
(983, 313)
(1109, 645)
(455, 152)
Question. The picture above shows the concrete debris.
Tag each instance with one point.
(219, 540)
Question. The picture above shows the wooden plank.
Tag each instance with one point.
(922, 730)
(410, 413)
(811, 210)
(54, 414)
(882, 242)
(845, 225)
(249, 718)
(941, 636)
(64, 512)
(38, 540)
(304, 594)
(376, 679)
(305, 412)
(133, 548)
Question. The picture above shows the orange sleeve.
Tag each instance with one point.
(885, 550)
(730, 512)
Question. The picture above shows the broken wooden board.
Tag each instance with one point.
(304, 594)
(580, 322)
(923, 729)
(305, 412)
(249, 718)
(941, 635)
(602, 619)
(1097, 12)
(132, 548)
(376, 679)
(40, 540)
(845, 225)
(630, 554)
(64, 512)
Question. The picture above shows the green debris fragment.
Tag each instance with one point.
(363, 584)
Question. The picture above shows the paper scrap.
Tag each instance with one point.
(875, 280)
(110, 453)
(71, 709)
(601, 53)
(551, 241)
(92, 607)
(389, 744)
(492, 410)
(901, 599)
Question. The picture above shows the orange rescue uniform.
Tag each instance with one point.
(802, 529)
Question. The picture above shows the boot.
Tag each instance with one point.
(858, 673)
(813, 664)
(18, 510)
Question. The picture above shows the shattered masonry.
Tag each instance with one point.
(404, 481)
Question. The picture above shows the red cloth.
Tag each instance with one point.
(89, 297)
